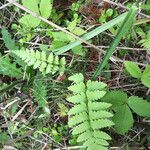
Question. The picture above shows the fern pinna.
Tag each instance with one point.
(45, 63)
(89, 115)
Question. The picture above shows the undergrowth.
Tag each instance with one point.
(76, 76)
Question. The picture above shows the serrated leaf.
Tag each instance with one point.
(99, 114)
(78, 98)
(45, 8)
(116, 98)
(95, 85)
(101, 134)
(84, 136)
(98, 105)
(30, 21)
(101, 123)
(31, 5)
(95, 95)
(77, 88)
(9, 69)
(9, 42)
(139, 106)
(81, 128)
(123, 119)
(133, 69)
(78, 109)
(77, 78)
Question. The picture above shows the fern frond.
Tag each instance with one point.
(89, 115)
(9, 69)
(146, 41)
(40, 93)
(46, 64)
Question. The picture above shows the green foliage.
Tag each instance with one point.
(89, 116)
(139, 106)
(42, 7)
(9, 42)
(145, 79)
(126, 25)
(105, 15)
(123, 119)
(91, 34)
(40, 94)
(61, 39)
(121, 105)
(45, 63)
(146, 42)
(3, 137)
(133, 69)
(45, 8)
(116, 98)
(136, 72)
(8, 68)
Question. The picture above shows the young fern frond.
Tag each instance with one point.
(88, 115)
(45, 63)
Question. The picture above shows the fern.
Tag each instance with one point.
(8, 68)
(40, 93)
(89, 116)
(146, 42)
(46, 64)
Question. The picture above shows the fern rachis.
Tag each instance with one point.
(89, 116)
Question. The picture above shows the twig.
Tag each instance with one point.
(121, 47)
(5, 5)
(19, 112)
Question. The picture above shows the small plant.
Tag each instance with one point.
(122, 106)
(146, 41)
(40, 94)
(45, 63)
(137, 73)
(8, 68)
(89, 115)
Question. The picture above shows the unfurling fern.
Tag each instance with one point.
(89, 115)
(45, 63)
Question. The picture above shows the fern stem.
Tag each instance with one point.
(126, 25)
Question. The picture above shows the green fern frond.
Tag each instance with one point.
(40, 94)
(46, 64)
(8, 68)
(89, 115)
(146, 41)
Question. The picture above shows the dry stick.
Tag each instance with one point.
(113, 58)
(53, 24)
(5, 5)
(124, 7)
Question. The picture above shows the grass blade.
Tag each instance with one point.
(91, 34)
(126, 25)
